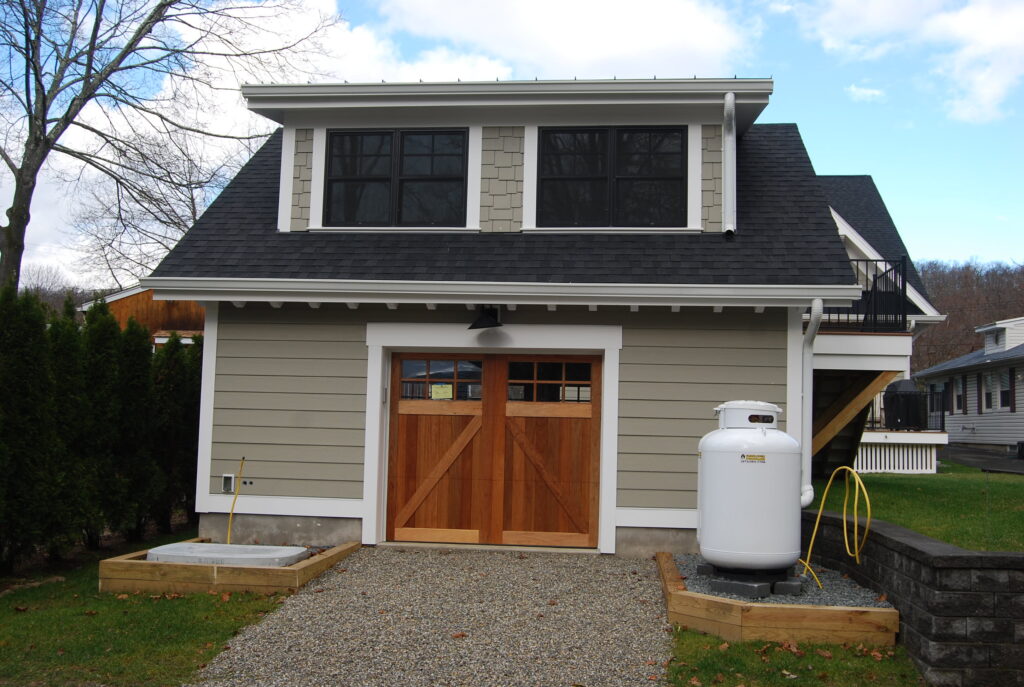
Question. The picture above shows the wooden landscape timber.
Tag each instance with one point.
(133, 573)
(747, 620)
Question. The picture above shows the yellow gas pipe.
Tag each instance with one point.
(858, 544)
(238, 486)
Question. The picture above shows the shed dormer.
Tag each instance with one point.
(1002, 335)
(592, 156)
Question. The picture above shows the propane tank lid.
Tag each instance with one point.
(748, 414)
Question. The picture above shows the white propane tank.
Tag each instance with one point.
(749, 490)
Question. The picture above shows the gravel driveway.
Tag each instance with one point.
(421, 616)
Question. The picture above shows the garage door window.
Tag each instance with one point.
(549, 382)
(442, 380)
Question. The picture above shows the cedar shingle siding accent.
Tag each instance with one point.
(302, 179)
(501, 178)
(711, 178)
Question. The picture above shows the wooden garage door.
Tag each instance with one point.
(494, 449)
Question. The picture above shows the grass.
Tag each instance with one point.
(960, 505)
(705, 661)
(67, 633)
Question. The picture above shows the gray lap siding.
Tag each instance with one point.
(290, 392)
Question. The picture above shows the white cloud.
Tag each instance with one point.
(860, 94)
(863, 29)
(585, 39)
(975, 44)
(987, 60)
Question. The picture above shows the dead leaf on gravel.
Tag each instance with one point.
(318, 590)
(458, 635)
(553, 602)
(882, 597)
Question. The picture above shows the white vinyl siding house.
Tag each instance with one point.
(981, 393)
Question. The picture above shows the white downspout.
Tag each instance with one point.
(807, 404)
(729, 165)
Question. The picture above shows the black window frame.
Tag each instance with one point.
(613, 176)
(396, 177)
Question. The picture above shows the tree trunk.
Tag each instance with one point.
(18, 215)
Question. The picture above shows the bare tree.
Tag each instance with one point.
(125, 225)
(51, 286)
(970, 294)
(97, 80)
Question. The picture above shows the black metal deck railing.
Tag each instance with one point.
(883, 304)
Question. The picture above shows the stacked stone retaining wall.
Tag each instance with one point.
(961, 612)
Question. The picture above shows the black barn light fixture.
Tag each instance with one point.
(487, 317)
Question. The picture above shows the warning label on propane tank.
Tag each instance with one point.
(751, 458)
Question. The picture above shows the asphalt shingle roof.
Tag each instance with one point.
(785, 236)
(974, 359)
(857, 200)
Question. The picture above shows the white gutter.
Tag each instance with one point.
(807, 404)
(729, 165)
(524, 293)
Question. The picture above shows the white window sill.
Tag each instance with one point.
(396, 230)
(614, 230)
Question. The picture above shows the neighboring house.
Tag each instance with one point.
(160, 317)
(650, 251)
(977, 395)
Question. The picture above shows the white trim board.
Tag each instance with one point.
(847, 231)
(794, 416)
(204, 462)
(384, 338)
(284, 200)
(286, 505)
(673, 518)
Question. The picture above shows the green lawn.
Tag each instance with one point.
(706, 661)
(67, 633)
(960, 505)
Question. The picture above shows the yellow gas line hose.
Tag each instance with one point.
(238, 486)
(853, 550)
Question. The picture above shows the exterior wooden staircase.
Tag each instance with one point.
(841, 405)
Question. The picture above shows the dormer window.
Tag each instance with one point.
(612, 177)
(396, 178)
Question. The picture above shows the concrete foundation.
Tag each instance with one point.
(644, 542)
(280, 530)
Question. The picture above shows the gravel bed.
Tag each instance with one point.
(837, 590)
(423, 616)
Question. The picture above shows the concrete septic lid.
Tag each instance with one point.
(228, 554)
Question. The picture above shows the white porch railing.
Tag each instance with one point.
(907, 453)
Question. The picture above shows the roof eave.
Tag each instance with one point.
(276, 101)
(518, 293)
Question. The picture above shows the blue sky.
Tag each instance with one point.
(926, 96)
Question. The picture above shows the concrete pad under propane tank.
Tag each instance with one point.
(749, 490)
